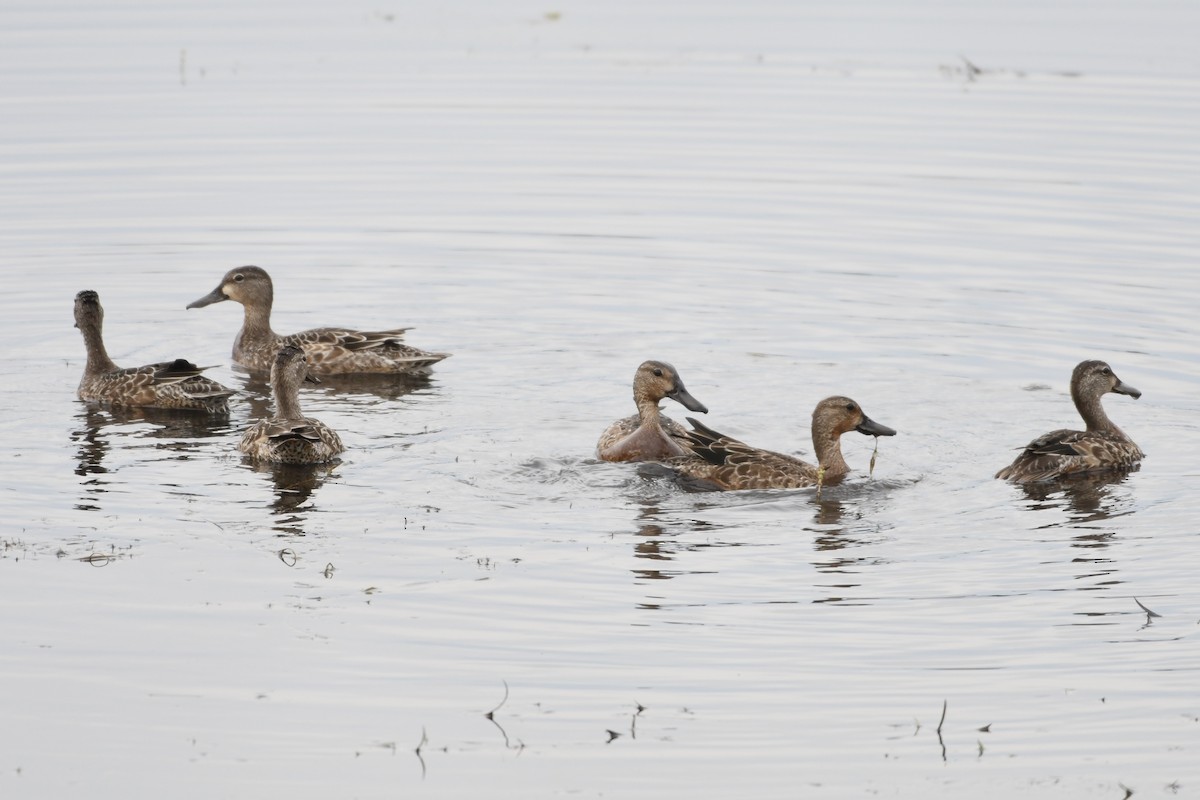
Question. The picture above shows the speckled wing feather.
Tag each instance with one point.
(343, 350)
(174, 384)
(1066, 452)
(187, 377)
(732, 464)
(676, 431)
(291, 441)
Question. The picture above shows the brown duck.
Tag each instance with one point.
(1066, 453)
(726, 463)
(174, 384)
(289, 437)
(331, 351)
(649, 435)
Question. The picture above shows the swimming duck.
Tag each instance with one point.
(331, 351)
(289, 437)
(648, 435)
(729, 464)
(1066, 453)
(174, 384)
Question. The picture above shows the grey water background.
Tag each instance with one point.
(935, 208)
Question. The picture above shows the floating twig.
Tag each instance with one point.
(503, 700)
(421, 744)
(507, 745)
(875, 452)
(971, 69)
(491, 717)
(941, 741)
(1149, 613)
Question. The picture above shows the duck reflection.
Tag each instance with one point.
(294, 486)
(1089, 501)
(651, 545)
(99, 427)
(829, 511)
(1086, 499)
(384, 387)
(840, 538)
(659, 541)
(839, 533)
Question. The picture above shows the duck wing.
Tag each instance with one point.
(279, 430)
(180, 374)
(1066, 452)
(369, 351)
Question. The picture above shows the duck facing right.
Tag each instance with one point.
(1067, 453)
(728, 464)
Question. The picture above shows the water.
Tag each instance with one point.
(785, 202)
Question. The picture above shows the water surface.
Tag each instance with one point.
(936, 212)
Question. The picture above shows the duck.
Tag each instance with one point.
(289, 437)
(331, 351)
(1068, 453)
(649, 435)
(176, 384)
(725, 463)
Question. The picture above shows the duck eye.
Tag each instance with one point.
(657, 373)
(239, 277)
(1106, 371)
(850, 407)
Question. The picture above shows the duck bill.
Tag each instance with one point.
(1124, 388)
(310, 378)
(872, 428)
(681, 396)
(215, 296)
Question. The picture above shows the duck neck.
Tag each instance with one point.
(256, 321)
(648, 410)
(97, 355)
(828, 445)
(287, 398)
(1093, 414)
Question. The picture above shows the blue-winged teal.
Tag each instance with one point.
(174, 384)
(649, 435)
(331, 351)
(1102, 446)
(729, 464)
(289, 437)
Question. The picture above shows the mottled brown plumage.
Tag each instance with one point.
(727, 463)
(331, 351)
(289, 437)
(174, 384)
(649, 435)
(1101, 446)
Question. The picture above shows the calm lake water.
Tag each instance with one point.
(937, 210)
